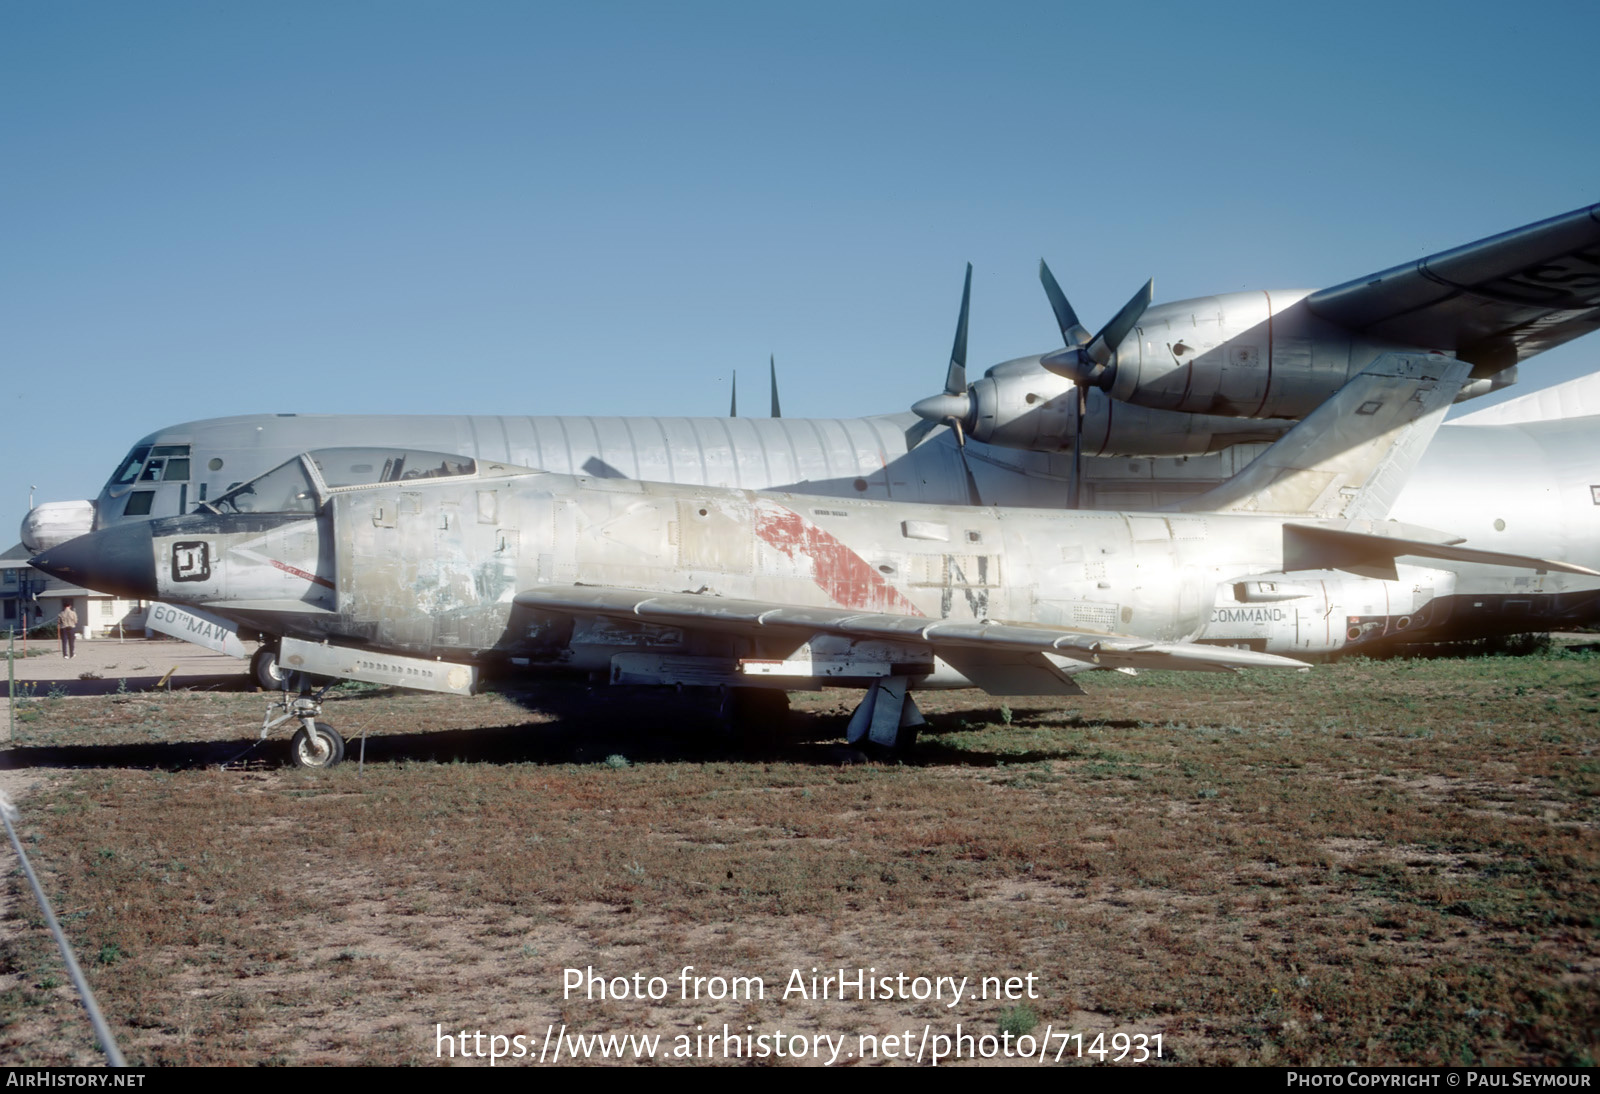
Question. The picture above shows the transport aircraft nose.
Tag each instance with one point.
(119, 560)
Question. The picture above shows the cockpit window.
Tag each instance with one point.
(167, 463)
(289, 488)
(369, 466)
(129, 471)
(285, 489)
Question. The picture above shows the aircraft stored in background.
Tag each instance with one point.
(1184, 378)
(418, 568)
(1523, 489)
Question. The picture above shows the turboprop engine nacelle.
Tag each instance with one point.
(1018, 404)
(1243, 355)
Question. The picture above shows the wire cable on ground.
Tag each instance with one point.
(102, 1032)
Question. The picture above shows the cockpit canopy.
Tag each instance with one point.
(299, 485)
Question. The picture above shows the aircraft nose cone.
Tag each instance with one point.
(119, 560)
(939, 408)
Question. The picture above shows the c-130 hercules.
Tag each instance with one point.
(420, 568)
(1520, 488)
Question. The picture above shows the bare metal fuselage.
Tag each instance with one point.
(433, 570)
(1521, 487)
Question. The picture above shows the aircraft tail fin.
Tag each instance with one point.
(1349, 458)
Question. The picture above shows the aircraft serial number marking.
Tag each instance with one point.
(313, 578)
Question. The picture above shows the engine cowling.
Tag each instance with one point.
(1019, 405)
(1244, 355)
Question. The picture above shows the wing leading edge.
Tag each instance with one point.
(1082, 650)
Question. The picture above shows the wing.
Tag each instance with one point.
(1494, 302)
(994, 656)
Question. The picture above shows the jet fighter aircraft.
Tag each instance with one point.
(418, 568)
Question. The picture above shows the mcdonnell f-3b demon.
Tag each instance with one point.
(419, 569)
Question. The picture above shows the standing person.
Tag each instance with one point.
(67, 624)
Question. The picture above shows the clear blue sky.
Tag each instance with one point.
(404, 207)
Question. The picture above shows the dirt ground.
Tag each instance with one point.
(1374, 863)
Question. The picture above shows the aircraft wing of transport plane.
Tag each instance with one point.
(418, 569)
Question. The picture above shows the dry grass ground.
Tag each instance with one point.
(1375, 863)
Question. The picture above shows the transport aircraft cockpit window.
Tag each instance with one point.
(167, 463)
(129, 471)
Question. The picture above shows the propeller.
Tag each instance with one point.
(954, 404)
(733, 402)
(772, 364)
(1089, 359)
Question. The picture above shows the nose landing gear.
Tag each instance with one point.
(315, 744)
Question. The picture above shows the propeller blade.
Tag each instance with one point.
(772, 363)
(1104, 344)
(918, 432)
(1077, 448)
(952, 406)
(733, 401)
(955, 379)
(1073, 333)
(973, 496)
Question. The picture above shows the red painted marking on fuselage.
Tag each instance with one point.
(288, 569)
(841, 573)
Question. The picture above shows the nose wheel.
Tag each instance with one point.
(324, 749)
(315, 744)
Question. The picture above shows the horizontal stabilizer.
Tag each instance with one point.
(1372, 554)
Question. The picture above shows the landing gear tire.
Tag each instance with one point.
(303, 753)
(264, 668)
